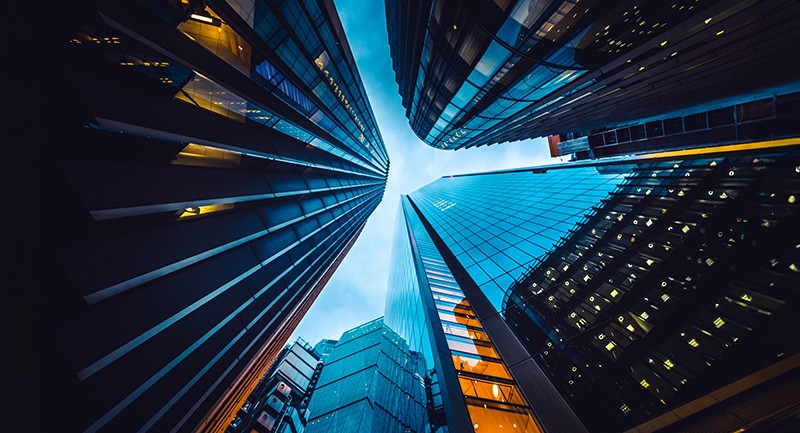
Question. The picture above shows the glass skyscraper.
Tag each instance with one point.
(605, 296)
(474, 73)
(678, 291)
(370, 382)
(212, 164)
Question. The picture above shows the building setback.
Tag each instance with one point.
(641, 294)
(324, 348)
(473, 73)
(372, 382)
(214, 163)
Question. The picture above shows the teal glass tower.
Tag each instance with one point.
(371, 381)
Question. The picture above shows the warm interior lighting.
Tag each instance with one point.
(206, 19)
(207, 156)
(202, 210)
(725, 148)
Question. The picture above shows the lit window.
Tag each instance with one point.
(718, 322)
(693, 343)
(202, 210)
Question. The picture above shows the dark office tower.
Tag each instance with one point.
(324, 348)
(476, 72)
(672, 306)
(479, 287)
(371, 382)
(278, 403)
(213, 162)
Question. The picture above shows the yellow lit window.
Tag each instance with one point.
(220, 39)
(202, 210)
(207, 156)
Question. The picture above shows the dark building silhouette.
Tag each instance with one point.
(279, 402)
(370, 382)
(473, 73)
(678, 292)
(639, 294)
(212, 164)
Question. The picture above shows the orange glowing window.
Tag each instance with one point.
(496, 420)
(475, 365)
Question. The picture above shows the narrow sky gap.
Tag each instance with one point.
(356, 292)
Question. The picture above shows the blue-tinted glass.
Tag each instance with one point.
(497, 223)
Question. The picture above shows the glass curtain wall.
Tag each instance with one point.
(492, 397)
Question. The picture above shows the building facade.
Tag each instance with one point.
(608, 296)
(324, 348)
(278, 403)
(474, 73)
(214, 162)
(680, 286)
(370, 382)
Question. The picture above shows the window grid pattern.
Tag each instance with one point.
(371, 381)
(303, 41)
(674, 287)
(490, 393)
(498, 224)
(486, 74)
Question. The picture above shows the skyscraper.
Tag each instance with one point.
(678, 292)
(473, 73)
(371, 382)
(608, 296)
(214, 162)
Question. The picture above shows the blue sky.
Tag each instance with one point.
(357, 291)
